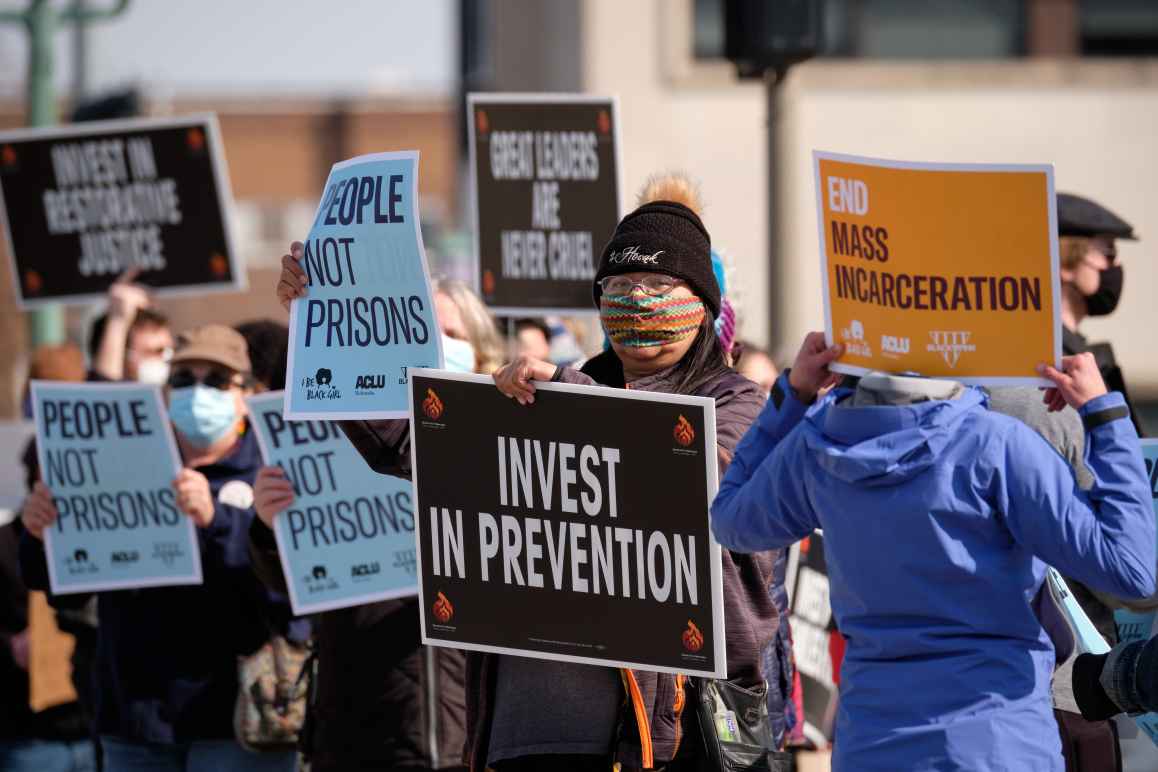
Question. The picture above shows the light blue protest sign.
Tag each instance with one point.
(108, 456)
(348, 538)
(1134, 626)
(368, 315)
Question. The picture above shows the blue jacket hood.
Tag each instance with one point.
(884, 445)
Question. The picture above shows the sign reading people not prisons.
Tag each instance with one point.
(369, 312)
(574, 529)
(1132, 625)
(942, 270)
(107, 454)
(348, 538)
(545, 172)
(82, 204)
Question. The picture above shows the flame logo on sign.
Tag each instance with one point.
(432, 405)
(8, 156)
(482, 122)
(443, 611)
(32, 282)
(604, 122)
(488, 282)
(693, 638)
(218, 265)
(684, 433)
(195, 139)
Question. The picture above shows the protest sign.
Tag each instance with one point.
(1136, 626)
(82, 204)
(816, 643)
(943, 270)
(574, 529)
(348, 538)
(545, 189)
(369, 313)
(107, 453)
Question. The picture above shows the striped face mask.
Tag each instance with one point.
(640, 320)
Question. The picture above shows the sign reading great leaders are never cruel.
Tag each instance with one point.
(573, 529)
(546, 188)
(83, 204)
(943, 270)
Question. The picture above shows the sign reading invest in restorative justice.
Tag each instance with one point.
(943, 270)
(546, 188)
(348, 538)
(107, 454)
(82, 204)
(369, 311)
(545, 534)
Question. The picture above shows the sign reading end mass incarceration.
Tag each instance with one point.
(546, 197)
(573, 529)
(942, 270)
(348, 538)
(107, 453)
(369, 312)
(82, 204)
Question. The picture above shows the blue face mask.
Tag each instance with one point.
(457, 355)
(202, 414)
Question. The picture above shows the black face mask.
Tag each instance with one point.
(1109, 292)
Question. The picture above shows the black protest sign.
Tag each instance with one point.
(817, 645)
(82, 204)
(546, 198)
(573, 529)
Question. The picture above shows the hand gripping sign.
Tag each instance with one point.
(369, 314)
(545, 534)
(107, 453)
(941, 270)
(348, 538)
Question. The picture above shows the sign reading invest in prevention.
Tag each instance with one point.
(82, 204)
(538, 537)
(107, 453)
(369, 313)
(348, 538)
(944, 270)
(546, 188)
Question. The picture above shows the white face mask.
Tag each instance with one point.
(457, 355)
(153, 371)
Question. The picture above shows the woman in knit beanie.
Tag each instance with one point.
(658, 302)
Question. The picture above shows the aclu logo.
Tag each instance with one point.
(854, 340)
(368, 384)
(125, 557)
(893, 346)
(951, 345)
(363, 571)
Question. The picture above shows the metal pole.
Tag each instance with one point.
(778, 317)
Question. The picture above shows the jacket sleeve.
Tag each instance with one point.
(1105, 537)
(264, 556)
(385, 444)
(762, 503)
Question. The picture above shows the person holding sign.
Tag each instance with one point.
(939, 518)
(658, 300)
(166, 670)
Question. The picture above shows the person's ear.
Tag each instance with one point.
(1066, 275)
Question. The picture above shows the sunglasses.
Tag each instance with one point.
(214, 379)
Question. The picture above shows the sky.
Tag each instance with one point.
(309, 48)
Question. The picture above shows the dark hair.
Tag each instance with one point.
(146, 317)
(530, 323)
(268, 343)
(704, 361)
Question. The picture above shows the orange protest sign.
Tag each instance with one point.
(944, 270)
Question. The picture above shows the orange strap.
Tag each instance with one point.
(641, 721)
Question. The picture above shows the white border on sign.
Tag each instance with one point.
(715, 554)
(517, 98)
(1055, 279)
(358, 415)
(175, 457)
(256, 404)
(208, 121)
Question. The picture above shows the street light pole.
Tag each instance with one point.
(41, 20)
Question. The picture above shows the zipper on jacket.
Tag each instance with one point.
(431, 706)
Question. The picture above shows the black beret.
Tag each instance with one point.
(1077, 216)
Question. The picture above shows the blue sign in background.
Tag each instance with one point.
(348, 538)
(368, 314)
(107, 453)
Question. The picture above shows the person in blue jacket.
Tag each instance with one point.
(939, 519)
(166, 673)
